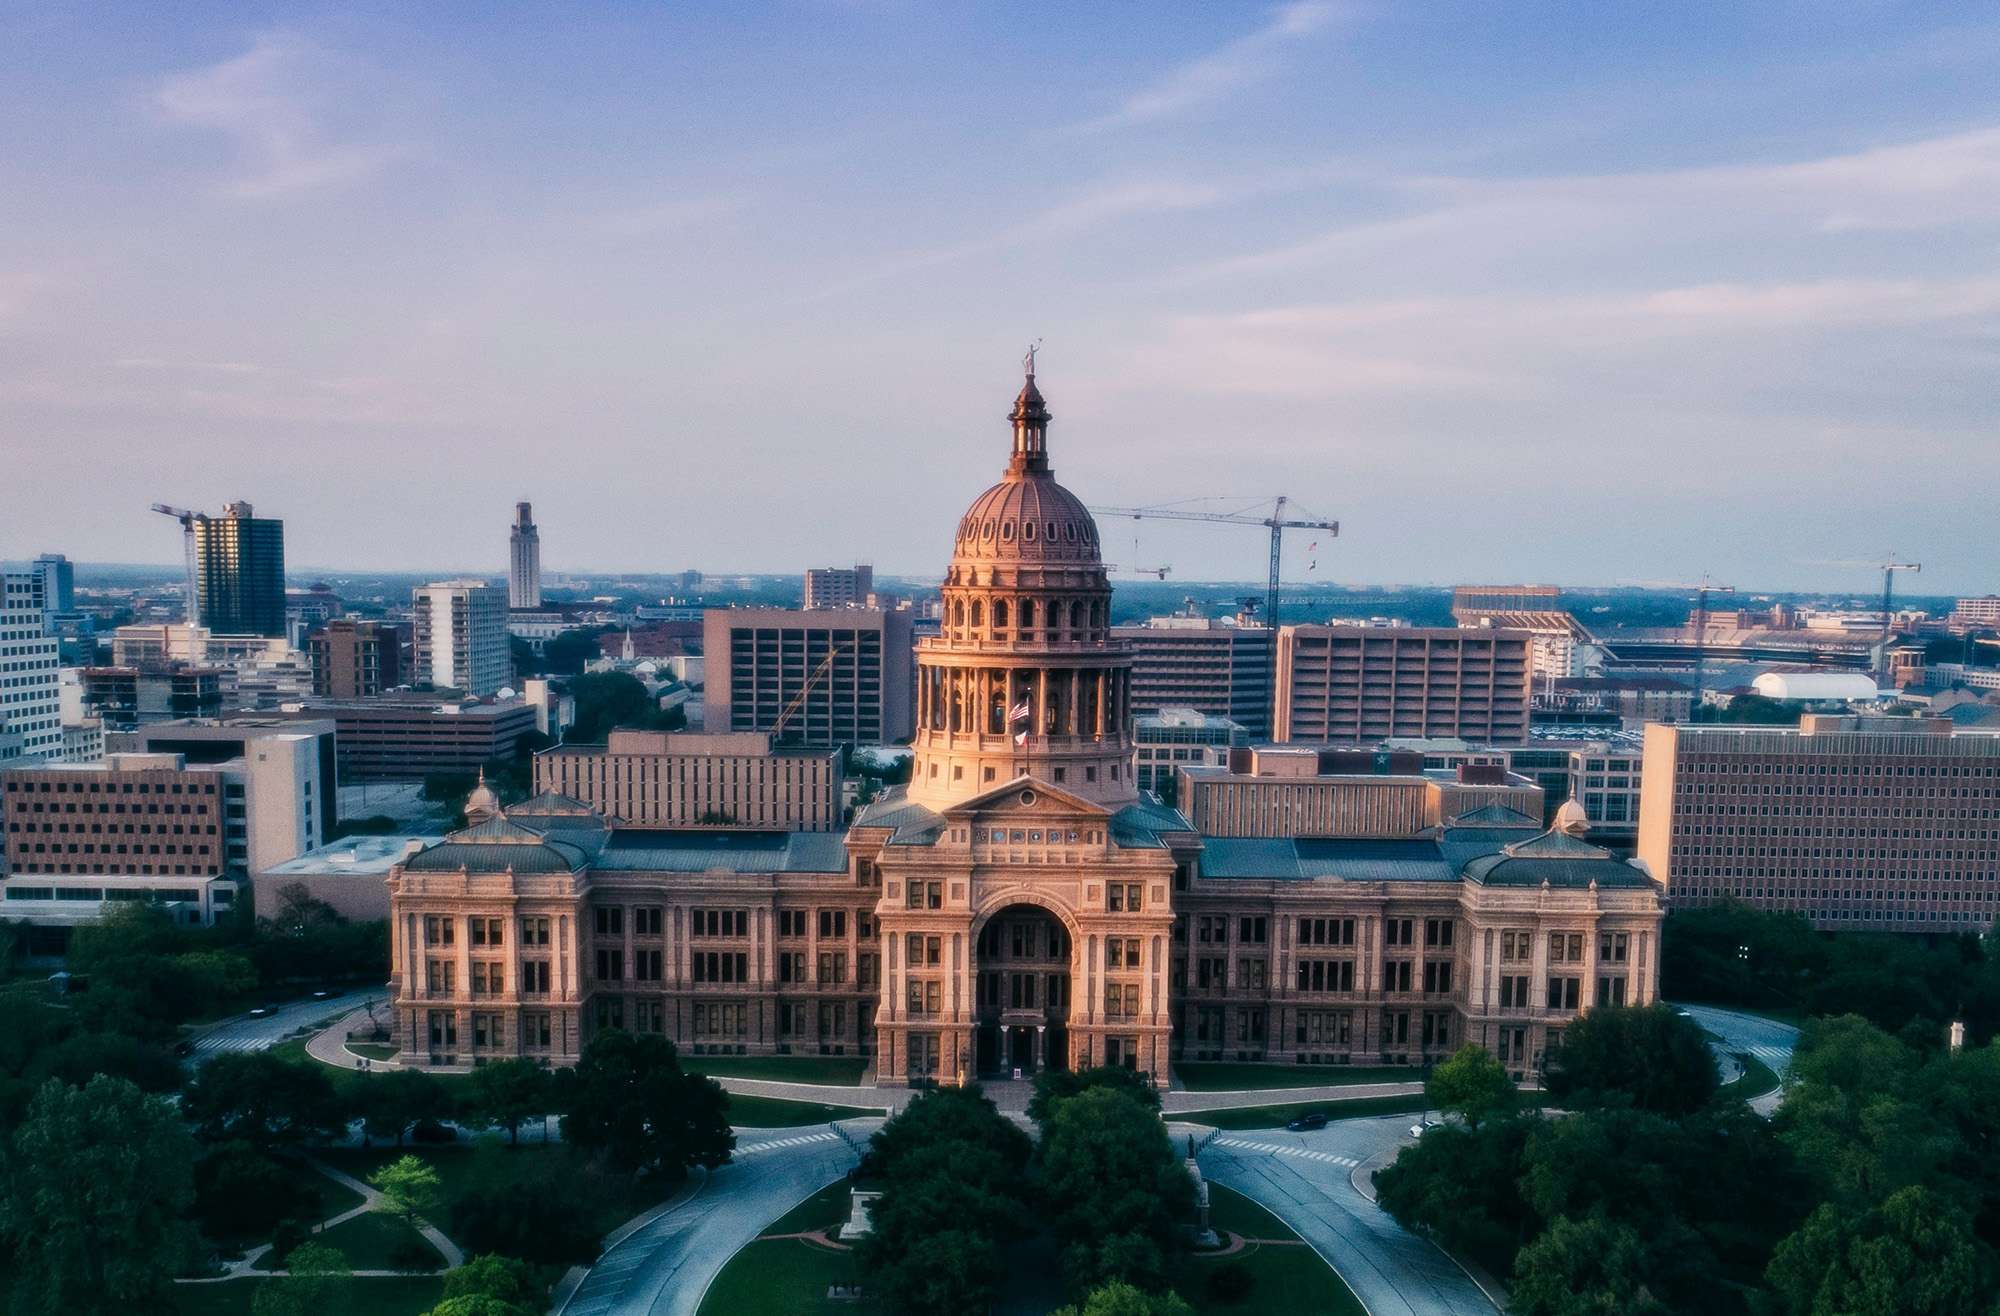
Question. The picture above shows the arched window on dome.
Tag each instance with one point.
(999, 614)
(1028, 530)
(978, 614)
(1027, 619)
(1096, 616)
(958, 613)
(1076, 619)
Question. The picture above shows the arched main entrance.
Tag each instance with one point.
(1022, 970)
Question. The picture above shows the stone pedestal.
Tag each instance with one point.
(1203, 1234)
(860, 1216)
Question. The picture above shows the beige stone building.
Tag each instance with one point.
(692, 779)
(1021, 903)
(1354, 684)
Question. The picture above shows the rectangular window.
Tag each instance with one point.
(610, 921)
(1438, 932)
(1397, 931)
(833, 923)
(1437, 977)
(648, 921)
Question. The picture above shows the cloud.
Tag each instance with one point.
(1930, 183)
(280, 102)
(1203, 81)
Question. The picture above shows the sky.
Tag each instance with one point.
(1580, 293)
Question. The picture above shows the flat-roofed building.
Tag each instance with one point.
(829, 677)
(241, 736)
(1559, 645)
(1355, 684)
(1286, 790)
(1888, 824)
(839, 587)
(132, 696)
(686, 779)
(31, 725)
(153, 827)
(353, 659)
(461, 637)
(1176, 738)
(1205, 663)
(349, 876)
(401, 739)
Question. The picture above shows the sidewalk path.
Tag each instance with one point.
(329, 1045)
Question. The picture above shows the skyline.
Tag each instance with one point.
(383, 276)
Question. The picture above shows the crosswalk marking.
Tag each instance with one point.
(1281, 1149)
(1775, 1056)
(752, 1148)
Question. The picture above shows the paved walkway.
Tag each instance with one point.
(245, 1267)
(1767, 1039)
(663, 1263)
(329, 1045)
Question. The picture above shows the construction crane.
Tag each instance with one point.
(187, 520)
(1889, 570)
(1702, 589)
(1160, 571)
(825, 666)
(1276, 522)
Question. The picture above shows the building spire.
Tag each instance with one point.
(1031, 421)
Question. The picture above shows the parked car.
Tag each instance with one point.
(1307, 1123)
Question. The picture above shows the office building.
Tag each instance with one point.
(461, 637)
(1884, 824)
(408, 737)
(239, 572)
(680, 779)
(1976, 613)
(1356, 684)
(1019, 905)
(839, 587)
(1208, 664)
(132, 696)
(1175, 738)
(210, 741)
(153, 827)
(524, 560)
(356, 659)
(1295, 791)
(817, 679)
(58, 582)
(30, 672)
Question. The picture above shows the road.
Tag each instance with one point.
(1307, 1180)
(1768, 1040)
(664, 1267)
(262, 1032)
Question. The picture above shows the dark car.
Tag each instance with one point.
(1307, 1123)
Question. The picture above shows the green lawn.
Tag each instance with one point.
(1284, 1277)
(832, 1071)
(374, 1241)
(1213, 1076)
(327, 1198)
(401, 1296)
(771, 1113)
(826, 1208)
(784, 1277)
(373, 1050)
(1757, 1079)
(348, 1082)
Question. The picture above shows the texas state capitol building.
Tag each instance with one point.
(1019, 904)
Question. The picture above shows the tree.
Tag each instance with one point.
(1914, 1255)
(239, 1192)
(605, 700)
(953, 1191)
(1471, 1083)
(1588, 1267)
(1651, 1058)
(316, 1277)
(409, 1188)
(490, 1286)
(1053, 1086)
(1462, 1187)
(397, 1098)
(630, 1102)
(95, 1208)
(1114, 1188)
(1120, 1299)
(262, 1099)
(507, 1092)
(551, 1226)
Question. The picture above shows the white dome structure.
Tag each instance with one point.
(1838, 687)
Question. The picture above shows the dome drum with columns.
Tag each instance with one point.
(1024, 679)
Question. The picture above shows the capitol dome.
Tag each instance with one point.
(1028, 516)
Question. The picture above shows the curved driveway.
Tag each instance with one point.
(1307, 1180)
(1767, 1039)
(264, 1031)
(664, 1267)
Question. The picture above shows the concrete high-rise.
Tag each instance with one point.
(524, 560)
(58, 582)
(461, 636)
(829, 677)
(31, 689)
(1355, 684)
(1211, 666)
(839, 587)
(1889, 824)
(239, 572)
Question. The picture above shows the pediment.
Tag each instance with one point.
(1026, 799)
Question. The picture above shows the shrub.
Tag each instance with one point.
(1231, 1282)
